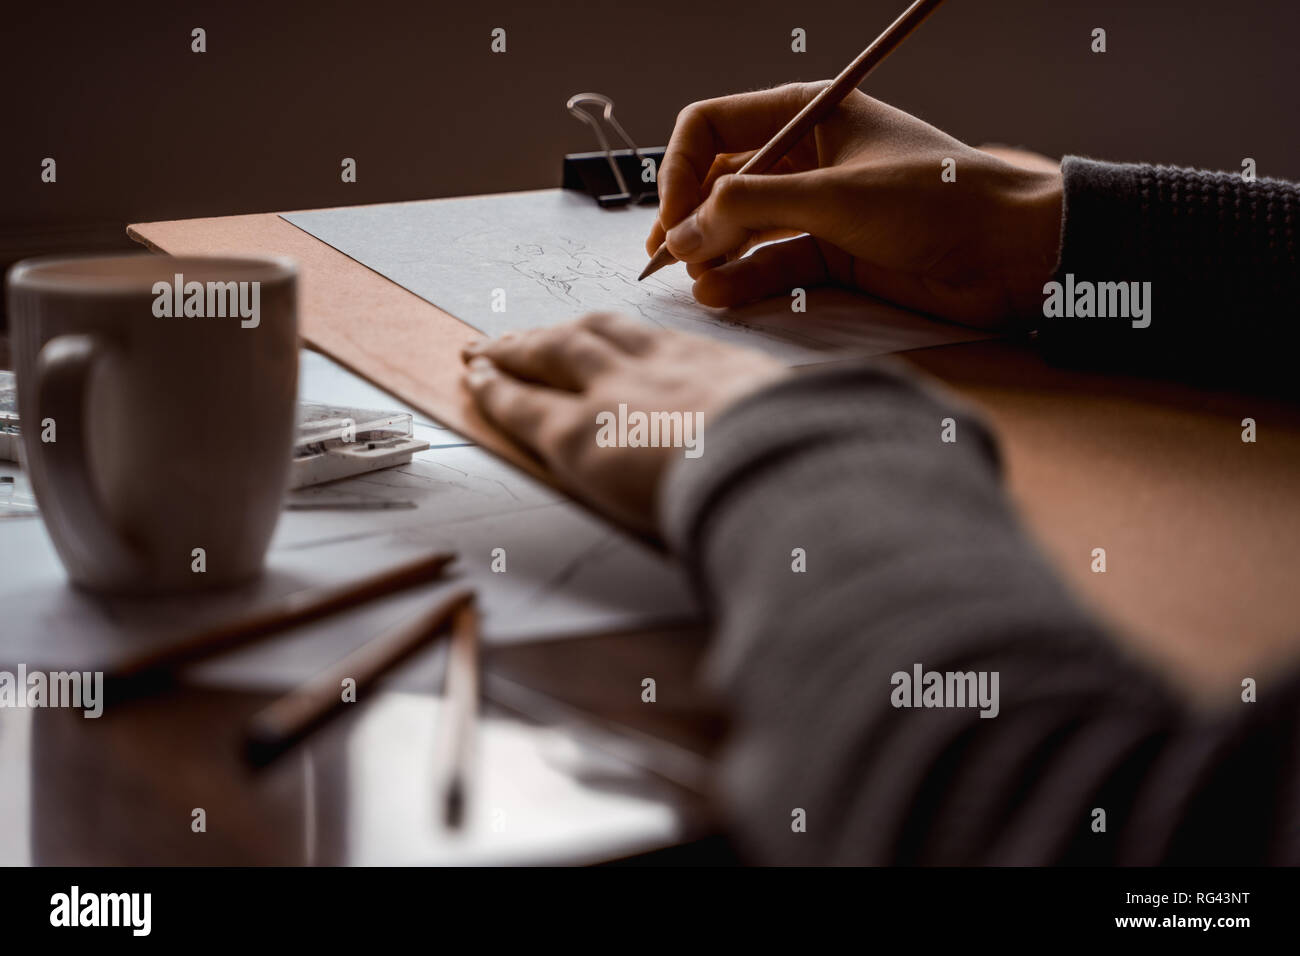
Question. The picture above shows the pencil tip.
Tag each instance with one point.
(660, 259)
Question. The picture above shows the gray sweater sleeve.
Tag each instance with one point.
(840, 542)
(1221, 258)
(913, 557)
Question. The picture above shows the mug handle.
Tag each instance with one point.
(63, 370)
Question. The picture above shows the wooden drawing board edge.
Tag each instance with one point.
(372, 326)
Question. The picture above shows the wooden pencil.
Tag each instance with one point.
(295, 608)
(821, 105)
(293, 716)
(460, 709)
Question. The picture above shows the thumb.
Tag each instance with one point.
(740, 205)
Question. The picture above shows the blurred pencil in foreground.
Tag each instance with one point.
(460, 710)
(291, 610)
(292, 717)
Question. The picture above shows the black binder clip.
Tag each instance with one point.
(604, 175)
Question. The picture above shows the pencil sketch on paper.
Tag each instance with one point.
(583, 280)
(520, 260)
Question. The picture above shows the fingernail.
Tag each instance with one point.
(473, 348)
(685, 237)
(479, 372)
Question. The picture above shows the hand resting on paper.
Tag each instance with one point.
(869, 191)
(575, 394)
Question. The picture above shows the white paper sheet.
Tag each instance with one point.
(567, 572)
(556, 255)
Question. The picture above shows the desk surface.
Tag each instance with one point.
(1201, 531)
(121, 790)
(572, 765)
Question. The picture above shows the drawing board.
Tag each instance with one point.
(511, 262)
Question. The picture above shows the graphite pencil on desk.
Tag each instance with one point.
(296, 608)
(294, 715)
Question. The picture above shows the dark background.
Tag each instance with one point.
(144, 129)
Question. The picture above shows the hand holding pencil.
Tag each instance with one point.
(875, 199)
(869, 189)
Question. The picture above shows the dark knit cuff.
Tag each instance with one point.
(1208, 229)
(1206, 261)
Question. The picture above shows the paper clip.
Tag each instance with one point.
(599, 189)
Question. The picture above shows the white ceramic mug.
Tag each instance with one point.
(157, 401)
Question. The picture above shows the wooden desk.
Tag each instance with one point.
(1201, 531)
(121, 790)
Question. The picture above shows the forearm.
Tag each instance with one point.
(912, 558)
